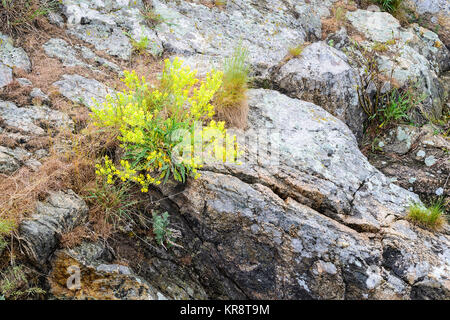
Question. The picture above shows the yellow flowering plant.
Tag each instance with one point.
(166, 131)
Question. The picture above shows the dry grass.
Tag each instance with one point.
(18, 17)
(72, 169)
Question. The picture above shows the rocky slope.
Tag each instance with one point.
(307, 215)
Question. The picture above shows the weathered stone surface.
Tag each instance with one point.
(72, 56)
(103, 24)
(59, 48)
(82, 90)
(319, 223)
(414, 56)
(61, 212)
(12, 159)
(417, 158)
(12, 56)
(27, 119)
(322, 75)
(99, 280)
(5, 75)
(433, 14)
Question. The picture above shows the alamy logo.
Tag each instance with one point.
(74, 281)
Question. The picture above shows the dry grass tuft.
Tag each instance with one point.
(231, 99)
(70, 169)
(21, 16)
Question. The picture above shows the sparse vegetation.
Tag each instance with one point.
(384, 103)
(390, 6)
(20, 16)
(220, 3)
(140, 46)
(231, 98)
(112, 206)
(431, 217)
(296, 51)
(14, 284)
(340, 14)
(152, 18)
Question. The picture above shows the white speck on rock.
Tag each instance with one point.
(429, 161)
(440, 191)
(421, 154)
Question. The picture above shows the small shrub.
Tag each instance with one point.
(296, 51)
(380, 47)
(164, 235)
(112, 207)
(161, 128)
(231, 99)
(431, 217)
(152, 18)
(14, 284)
(390, 6)
(396, 107)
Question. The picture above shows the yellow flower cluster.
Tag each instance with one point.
(126, 173)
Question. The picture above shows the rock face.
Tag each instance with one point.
(61, 212)
(82, 90)
(414, 56)
(96, 279)
(417, 158)
(5, 75)
(105, 23)
(323, 76)
(301, 228)
(434, 14)
(13, 56)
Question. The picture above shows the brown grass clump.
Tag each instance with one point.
(22, 16)
(70, 169)
(231, 99)
(76, 236)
